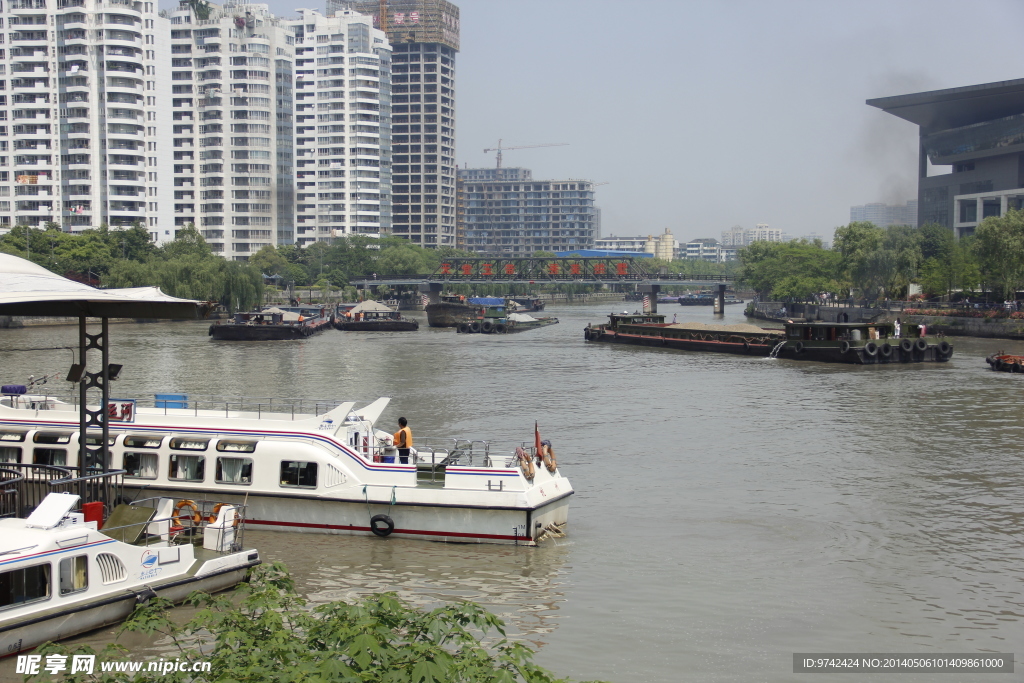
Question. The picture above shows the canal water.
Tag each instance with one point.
(729, 512)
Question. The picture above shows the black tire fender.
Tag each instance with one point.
(389, 525)
(486, 327)
(871, 348)
(474, 326)
(799, 347)
(921, 345)
(944, 347)
(906, 345)
(844, 347)
(886, 350)
(463, 328)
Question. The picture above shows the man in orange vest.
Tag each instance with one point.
(403, 440)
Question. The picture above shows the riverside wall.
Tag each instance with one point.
(991, 328)
(952, 326)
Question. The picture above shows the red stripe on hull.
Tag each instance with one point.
(420, 532)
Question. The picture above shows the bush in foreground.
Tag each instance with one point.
(270, 635)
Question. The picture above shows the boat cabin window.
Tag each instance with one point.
(28, 584)
(52, 437)
(296, 473)
(234, 470)
(50, 456)
(94, 440)
(12, 436)
(74, 575)
(10, 454)
(236, 446)
(187, 467)
(188, 444)
(136, 441)
(140, 465)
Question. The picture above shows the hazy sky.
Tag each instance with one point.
(704, 115)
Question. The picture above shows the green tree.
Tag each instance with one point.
(271, 635)
(789, 270)
(187, 243)
(862, 263)
(999, 245)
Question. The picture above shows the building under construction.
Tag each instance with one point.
(424, 35)
(504, 212)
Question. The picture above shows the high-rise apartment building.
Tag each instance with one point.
(231, 79)
(503, 217)
(82, 114)
(424, 35)
(257, 130)
(342, 126)
(884, 215)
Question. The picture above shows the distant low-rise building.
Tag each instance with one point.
(663, 246)
(738, 236)
(705, 249)
(502, 216)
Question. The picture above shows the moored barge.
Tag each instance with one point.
(1005, 362)
(650, 329)
(372, 316)
(272, 324)
(865, 343)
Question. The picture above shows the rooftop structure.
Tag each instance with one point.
(976, 130)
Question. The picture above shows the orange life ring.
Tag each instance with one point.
(548, 455)
(526, 463)
(180, 518)
(216, 510)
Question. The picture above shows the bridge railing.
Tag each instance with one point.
(540, 269)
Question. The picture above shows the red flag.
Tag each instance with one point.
(536, 439)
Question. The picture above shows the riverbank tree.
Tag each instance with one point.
(271, 634)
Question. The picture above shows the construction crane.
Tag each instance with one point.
(499, 148)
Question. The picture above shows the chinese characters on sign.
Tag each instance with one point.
(121, 410)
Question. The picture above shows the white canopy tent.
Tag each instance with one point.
(31, 290)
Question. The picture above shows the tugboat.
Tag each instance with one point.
(864, 343)
(372, 316)
(272, 324)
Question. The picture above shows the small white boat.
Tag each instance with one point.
(60, 575)
(310, 467)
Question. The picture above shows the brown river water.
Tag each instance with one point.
(729, 511)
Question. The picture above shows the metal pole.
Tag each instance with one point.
(83, 413)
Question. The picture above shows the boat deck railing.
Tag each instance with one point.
(189, 523)
(196, 404)
(23, 486)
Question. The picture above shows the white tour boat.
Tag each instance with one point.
(325, 471)
(61, 576)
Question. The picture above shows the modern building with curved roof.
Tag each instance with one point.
(977, 130)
